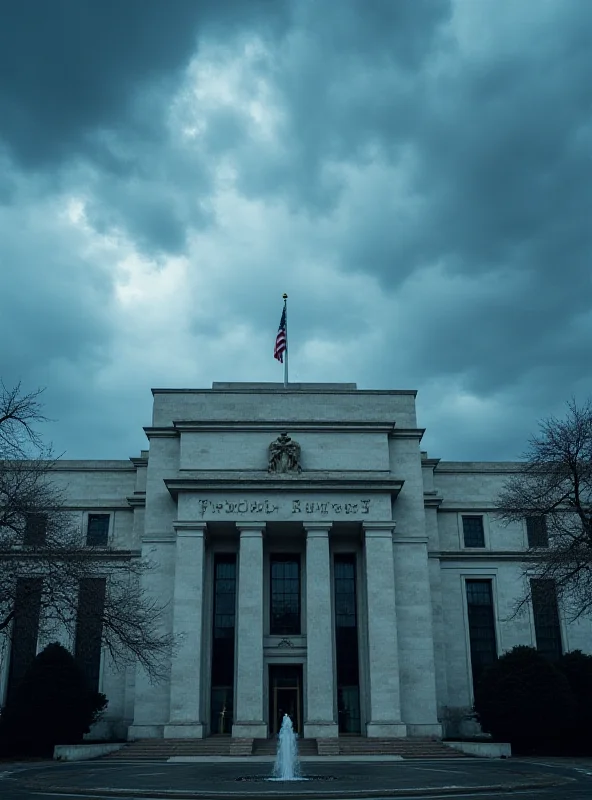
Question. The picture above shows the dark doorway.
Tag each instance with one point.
(285, 696)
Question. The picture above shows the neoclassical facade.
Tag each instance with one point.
(314, 561)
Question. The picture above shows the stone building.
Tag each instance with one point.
(314, 560)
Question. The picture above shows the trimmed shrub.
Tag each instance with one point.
(51, 705)
(526, 700)
(577, 668)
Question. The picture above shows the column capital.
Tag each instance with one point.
(379, 529)
(188, 528)
(318, 529)
(250, 528)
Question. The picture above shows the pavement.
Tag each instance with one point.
(552, 779)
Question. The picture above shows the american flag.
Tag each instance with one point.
(280, 339)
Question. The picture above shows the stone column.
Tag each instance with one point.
(186, 674)
(248, 714)
(383, 663)
(416, 637)
(151, 702)
(320, 681)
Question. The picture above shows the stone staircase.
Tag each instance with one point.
(163, 749)
(412, 747)
(268, 747)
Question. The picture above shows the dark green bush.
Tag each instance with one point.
(51, 705)
(526, 700)
(577, 668)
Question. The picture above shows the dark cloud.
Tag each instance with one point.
(482, 159)
(71, 67)
(416, 174)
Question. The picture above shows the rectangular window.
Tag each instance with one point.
(285, 595)
(536, 531)
(346, 643)
(473, 533)
(97, 530)
(89, 628)
(222, 700)
(27, 608)
(481, 626)
(546, 618)
(35, 529)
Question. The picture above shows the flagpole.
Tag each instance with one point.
(286, 352)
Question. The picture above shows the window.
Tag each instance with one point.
(285, 595)
(89, 628)
(97, 530)
(27, 608)
(481, 626)
(536, 531)
(221, 697)
(346, 644)
(546, 618)
(473, 533)
(35, 529)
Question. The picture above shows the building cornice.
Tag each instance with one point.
(91, 553)
(137, 500)
(292, 388)
(300, 483)
(458, 507)
(430, 463)
(92, 466)
(407, 433)
(490, 467)
(294, 426)
(432, 500)
(313, 425)
(161, 432)
(487, 556)
(86, 504)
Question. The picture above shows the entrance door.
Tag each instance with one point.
(285, 696)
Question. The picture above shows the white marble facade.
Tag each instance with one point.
(365, 492)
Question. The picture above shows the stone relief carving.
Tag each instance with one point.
(284, 455)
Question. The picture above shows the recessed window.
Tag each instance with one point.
(285, 595)
(546, 618)
(536, 531)
(222, 694)
(473, 532)
(481, 625)
(35, 529)
(97, 530)
(89, 629)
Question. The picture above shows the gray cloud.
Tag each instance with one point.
(72, 67)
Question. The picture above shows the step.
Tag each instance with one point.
(407, 748)
(268, 747)
(163, 749)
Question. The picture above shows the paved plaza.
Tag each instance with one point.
(470, 777)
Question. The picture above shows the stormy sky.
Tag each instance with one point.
(416, 174)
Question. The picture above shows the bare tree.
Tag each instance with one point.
(554, 489)
(44, 559)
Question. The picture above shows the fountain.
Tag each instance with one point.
(286, 767)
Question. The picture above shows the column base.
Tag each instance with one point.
(184, 730)
(249, 730)
(320, 730)
(386, 730)
(145, 732)
(424, 729)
